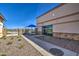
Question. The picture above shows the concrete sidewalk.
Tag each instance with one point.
(47, 46)
(40, 49)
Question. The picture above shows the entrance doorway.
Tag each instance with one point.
(47, 30)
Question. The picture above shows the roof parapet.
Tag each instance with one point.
(51, 10)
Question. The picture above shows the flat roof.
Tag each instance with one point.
(51, 10)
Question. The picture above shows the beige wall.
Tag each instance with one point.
(72, 27)
(65, 20)
(61, 11)
(69, 24)
(62, 20)
(1, 29)
(39, 30)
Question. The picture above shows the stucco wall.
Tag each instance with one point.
(39, 30)
(62, 20)
(72, 27)
(58, 12)
(68, 24)
(1, 29)
(63, 27)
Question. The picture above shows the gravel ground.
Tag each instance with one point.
(16, 46)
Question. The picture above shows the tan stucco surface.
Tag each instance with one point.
(69, 24)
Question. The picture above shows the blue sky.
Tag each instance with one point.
(19, 15)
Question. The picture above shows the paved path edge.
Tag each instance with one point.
(37, 47)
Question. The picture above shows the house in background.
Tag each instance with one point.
(1, 26)
(61, 21)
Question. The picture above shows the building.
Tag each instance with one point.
(1, 26)
(61, 21)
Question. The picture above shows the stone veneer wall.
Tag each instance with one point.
(71, 36)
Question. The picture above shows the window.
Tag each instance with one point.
(47, 30)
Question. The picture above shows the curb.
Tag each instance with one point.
(40, 49)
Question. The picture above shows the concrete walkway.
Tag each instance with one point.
(47, 46)
(37, 47)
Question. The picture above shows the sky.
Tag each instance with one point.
(19, 15)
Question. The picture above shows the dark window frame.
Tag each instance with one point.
(47, 30)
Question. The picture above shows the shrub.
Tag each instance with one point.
(19, 39)
(4, 37)
(21, 46)
(9, 43)
(12, 38)
(17, 36)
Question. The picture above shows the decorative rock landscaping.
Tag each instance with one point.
(16, 46)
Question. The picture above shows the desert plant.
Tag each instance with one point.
(19, 39)
(9, 43)
(21, 46)
(4, 37)
(12, 38)
(17, 36)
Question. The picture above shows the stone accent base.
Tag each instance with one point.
(71, 36)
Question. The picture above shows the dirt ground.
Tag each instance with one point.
(16, 46)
